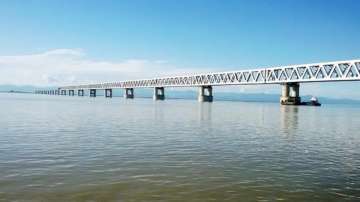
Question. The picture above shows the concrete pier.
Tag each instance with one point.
(159, 93)
(205, 94)
(129, 93)
(108, 93)
(290, 94)
(71, 92)
(63, 92)
(81, 92)
(92, 92)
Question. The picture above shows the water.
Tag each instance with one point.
(55, 148)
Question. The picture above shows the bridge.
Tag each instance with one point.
(289, 77)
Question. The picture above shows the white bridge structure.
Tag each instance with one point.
(289, 77)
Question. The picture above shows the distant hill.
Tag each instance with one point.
(7, 88)
(191, 94)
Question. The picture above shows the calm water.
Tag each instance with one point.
(56, 148)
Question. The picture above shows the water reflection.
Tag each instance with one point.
(204, 111)
(289, 119)
(158, 110)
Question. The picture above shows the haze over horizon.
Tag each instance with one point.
(48, 43)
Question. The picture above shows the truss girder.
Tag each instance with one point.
(320, 72)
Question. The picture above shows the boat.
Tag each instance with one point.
(313, 102)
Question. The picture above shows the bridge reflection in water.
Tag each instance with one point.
(289, 119)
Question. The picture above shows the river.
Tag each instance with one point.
(61, 148)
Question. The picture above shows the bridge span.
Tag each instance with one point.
(289, 77)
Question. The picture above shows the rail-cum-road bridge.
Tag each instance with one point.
(289, 77)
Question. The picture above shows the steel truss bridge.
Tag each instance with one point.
(348, 70)
(318, 72)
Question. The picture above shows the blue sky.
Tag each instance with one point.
(178, 36)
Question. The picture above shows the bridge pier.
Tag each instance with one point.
(63, 92)
(290, 94)
(129, 93)
(80, 92)
(108, 93)
(92, 92)
(159, 93)
(205, 94)
(71, 92)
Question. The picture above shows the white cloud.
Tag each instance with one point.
(72, 66)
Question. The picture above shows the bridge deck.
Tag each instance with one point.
(317, 72)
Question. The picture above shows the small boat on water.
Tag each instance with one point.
(313, 102)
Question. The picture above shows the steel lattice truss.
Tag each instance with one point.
(319, 72)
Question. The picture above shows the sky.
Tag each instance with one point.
(61, 42)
